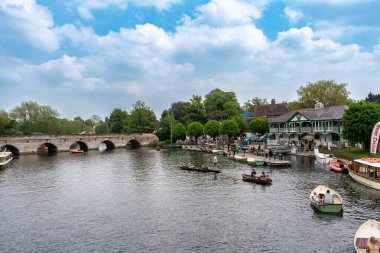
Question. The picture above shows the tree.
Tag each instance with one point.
(195, 111)
(179, 132)
(165, 131)
(195, 129)
(5, 122)
(221, 105)
(253, 104)
(102, 127)
(212, 128)
(327, 92)
(260, 125)
(142, 119)
(373, 98)
(33, 117)
(241, 123)
(358, 121)
(177, 110)
(117, 121)
(230, 128)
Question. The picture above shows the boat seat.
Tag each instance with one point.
(361, 244)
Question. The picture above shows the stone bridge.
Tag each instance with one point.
(57, 143)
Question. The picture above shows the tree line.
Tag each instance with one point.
(218, 112)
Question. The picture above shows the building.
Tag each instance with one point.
(269, 111)
(310, 127)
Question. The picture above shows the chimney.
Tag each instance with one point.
(273, 102)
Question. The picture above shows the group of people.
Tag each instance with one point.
(327, 198)
(253, 174)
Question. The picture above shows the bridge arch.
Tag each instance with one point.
(106, 145)
(15, 151)
(47, 148)
(79, 145)
(133, 143)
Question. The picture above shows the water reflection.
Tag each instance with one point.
(139, 200)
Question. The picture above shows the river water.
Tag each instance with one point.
(139, 201)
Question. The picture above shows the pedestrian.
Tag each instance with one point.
(215, 160)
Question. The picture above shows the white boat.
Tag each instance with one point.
(365, 231)
(366, 171)
(255, 162)
(323, 158)
(5, 158)
(217, 151)
(334, 207)
(240, 158)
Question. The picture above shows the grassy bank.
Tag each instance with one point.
(348, 153)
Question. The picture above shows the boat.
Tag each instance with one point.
(368, 229)
(77, 151)
(240, 158)
(366, 171)
(323, 158)
(334, 207)
(254, 162)
(5, 158)
(217, 151)
(204, 169)
(257, 179)
(338, 167)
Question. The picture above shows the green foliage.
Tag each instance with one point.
(230, 128)
(212, 128)
(260, 125)
(179, 132)
(142, 119)
(177, 110)
(327, 92)
(373, 98)
(196, 110)
(117, 121)
(102, 128)
(241, 123)
(358, 121)
(253, 104)
(166, 128)
(195, 129)
(221, 105)
(5, 122)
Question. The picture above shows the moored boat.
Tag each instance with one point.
(370, 228)
(338, 167)
(257, 179)
(5, 158)
(240, 158)
(366, 171)
(77, 151)
(217, 152)
(335, 206)
(323, 158)
(193, 168)
(254, 162)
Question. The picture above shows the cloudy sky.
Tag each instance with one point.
(89, 57)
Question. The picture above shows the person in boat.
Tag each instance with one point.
(373, 245)
(328, 199)
(253, 173)
(315, 197)
(215, 160)
(262, 174)
(270, 153)
(204, 167)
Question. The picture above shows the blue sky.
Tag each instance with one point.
(89, 57)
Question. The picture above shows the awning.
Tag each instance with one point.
(308, 137)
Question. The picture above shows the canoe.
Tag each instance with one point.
(335, 166)
(193, 168)
(252, 161)
(334, 207)
(257, 179)
(365, 231)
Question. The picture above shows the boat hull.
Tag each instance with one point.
(77, 152)
(330, 208)
(257, 179)
(335, 166)
(199, 170)
(364, 180)
(257, 163)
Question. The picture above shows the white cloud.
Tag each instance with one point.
(25, 19)
(293, 15)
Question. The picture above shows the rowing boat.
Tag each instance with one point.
(193, 168)
(257, 179)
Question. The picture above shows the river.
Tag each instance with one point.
(139, 201)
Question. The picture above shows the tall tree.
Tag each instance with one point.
(253, 104)
(179, 132)
(142, 119)
(358, 121)
(221, 105)
(260, 125)
(328, 92)
(241, 123)
(177, 110)
(195, 129)
(166, 129)
(373, 98)
(118, 120)
(5, 122)
(195, 111)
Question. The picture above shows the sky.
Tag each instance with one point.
(90, 57)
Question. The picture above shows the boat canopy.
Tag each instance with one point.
(373, 162)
